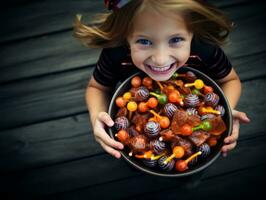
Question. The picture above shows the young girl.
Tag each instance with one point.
(156, 37)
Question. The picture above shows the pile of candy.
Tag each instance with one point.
(171, 124)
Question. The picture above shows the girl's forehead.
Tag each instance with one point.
(149, 20)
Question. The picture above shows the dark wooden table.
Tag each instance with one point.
(46, 143)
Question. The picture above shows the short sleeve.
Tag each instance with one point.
(216, 63)
(106, 71)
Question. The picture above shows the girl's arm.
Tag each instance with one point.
(231, 86)
(97, 99)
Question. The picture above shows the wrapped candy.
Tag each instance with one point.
(152, 129)
(157, 146)
(191, 100)
(121, 123)
(170, 109)
(205, 150)
(211, 99)
(142, 94)
(221, 109)
(168, 166)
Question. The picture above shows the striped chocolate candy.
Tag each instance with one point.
(169, 109)
(205, 150)
(152, 129)
(191, 100)
(167, 167)
(157, 146)
(192, 111)
(211, 99)
(221, 109)
(142, 94)
(121, 123)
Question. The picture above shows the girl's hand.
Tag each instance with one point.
(231, 141)
(107, 143)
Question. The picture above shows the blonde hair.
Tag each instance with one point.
(112, 29)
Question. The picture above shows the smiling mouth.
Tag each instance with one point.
(161, 70)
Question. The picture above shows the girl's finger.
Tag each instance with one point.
(235, 133)
(241, 116)
(229, 147)
(104, 137)
(110, 150)
(105, 118)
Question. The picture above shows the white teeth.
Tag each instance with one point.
(160, 69)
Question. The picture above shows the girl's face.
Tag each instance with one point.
(160, 43)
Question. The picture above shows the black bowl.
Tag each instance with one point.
(126, 85)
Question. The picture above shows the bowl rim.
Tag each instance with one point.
(178, 174)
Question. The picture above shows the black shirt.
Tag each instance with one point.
(115, 64)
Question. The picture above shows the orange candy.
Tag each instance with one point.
(143, 107)
(147, 82)
(186, 130)
(178, 151)
(120, 102)
(164, 122)
(122, 135)
(207, 89)
(152, 102)
(136, 81)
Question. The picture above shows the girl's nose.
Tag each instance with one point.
(160, 56)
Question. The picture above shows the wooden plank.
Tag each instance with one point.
(32, 110)
(251, 102)
(44, 85)
(61, 51)
(38, 18)
(244, 183)
(248, 68)
(52, 96)
(43, 56)
(239, 184)
(35, 18)
(47, 144)
(244, 37)
(103, 173)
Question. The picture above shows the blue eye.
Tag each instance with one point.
(144, 42)
(175, 40)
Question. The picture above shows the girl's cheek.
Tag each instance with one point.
(184, 56)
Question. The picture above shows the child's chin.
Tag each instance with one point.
(160, 77)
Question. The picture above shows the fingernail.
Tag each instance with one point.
(227, 141)
(110, 123)
(117, 155)
(121, 146)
